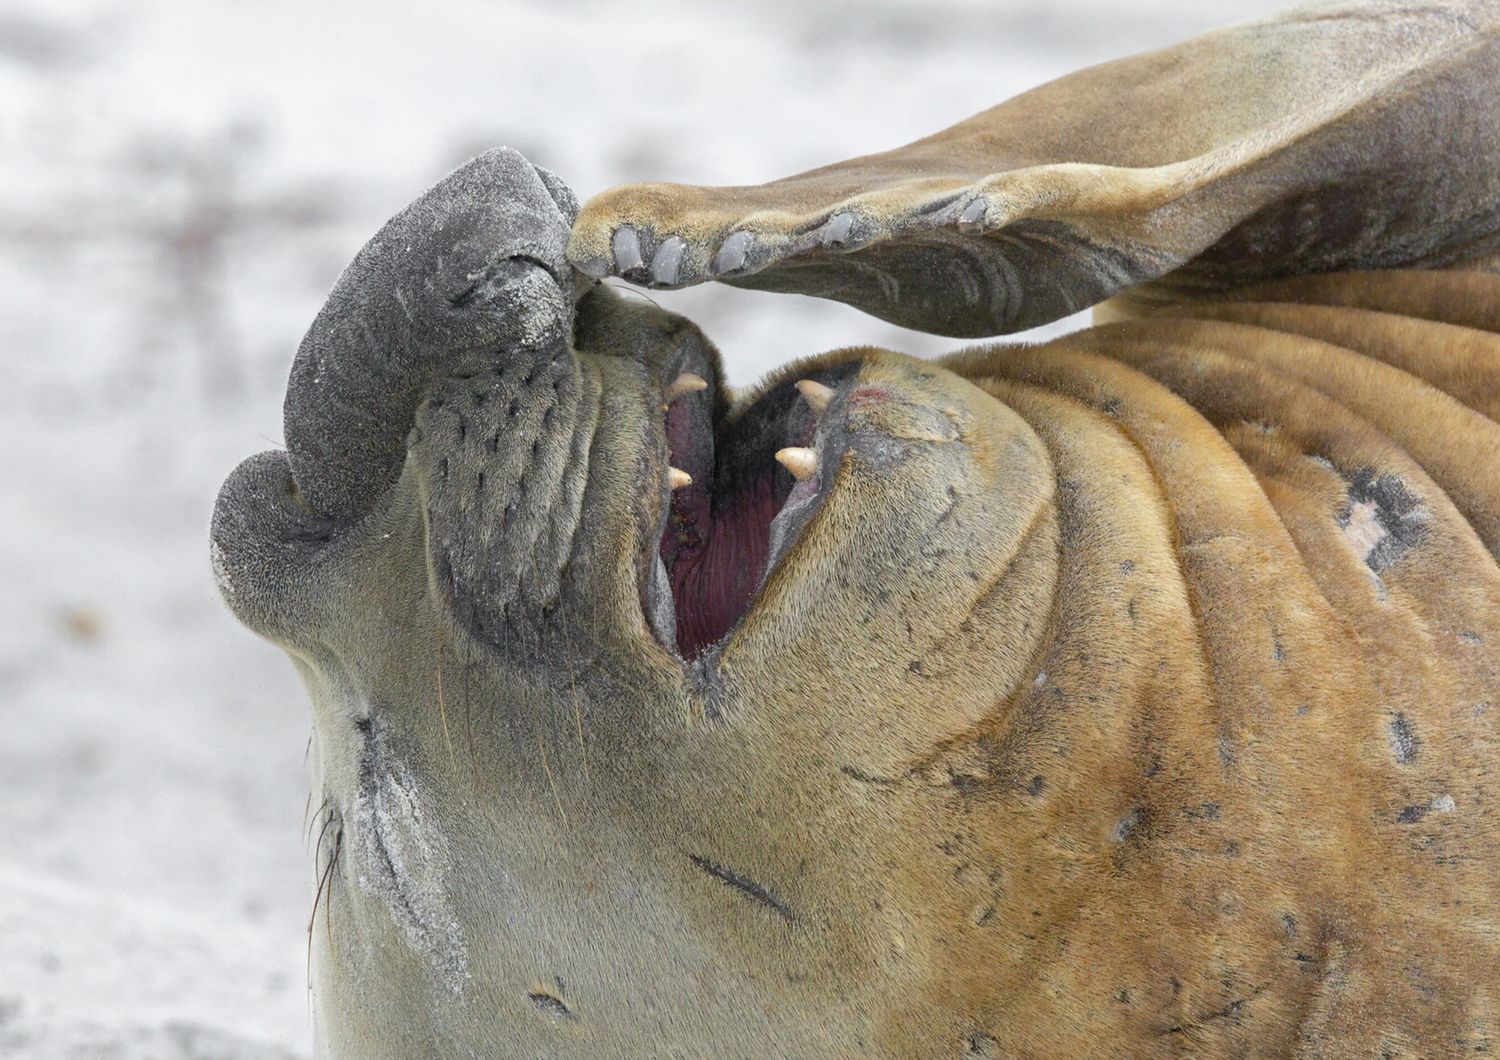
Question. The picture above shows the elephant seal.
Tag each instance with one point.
(1132, 694)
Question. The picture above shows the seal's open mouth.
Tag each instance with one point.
(741, 483)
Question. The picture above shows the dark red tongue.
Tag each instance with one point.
(715, 551)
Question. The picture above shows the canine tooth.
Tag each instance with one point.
(678, 478)
(815, 394)
(686, 383)
(800, 462)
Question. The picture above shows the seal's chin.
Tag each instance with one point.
(741, 484)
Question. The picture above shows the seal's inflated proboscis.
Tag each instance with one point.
(1132, 694)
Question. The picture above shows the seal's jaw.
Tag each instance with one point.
(741, 481)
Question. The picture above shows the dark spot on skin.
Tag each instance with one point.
(1230, 1011)
(1111, 407)
(1411, 815)
(1470, 638)
(964, 783)
(1302, 710)
(745, 886)
(551, 1006)
(1278, 651)
(1226, 751)
(1404, 740)
(1289, 925)
(985, 916)
(1127, 825)
(1123, 997)
(981, 1045)
(1176, 985)
(1126, 566)
(1397, 510)
(1208, 811)
(1155, 766)
(1037, 786)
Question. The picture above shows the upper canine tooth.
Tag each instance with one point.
(802, 463)
(686, 383)
(815, 394)
(678, 478)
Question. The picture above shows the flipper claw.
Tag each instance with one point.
(627, 248)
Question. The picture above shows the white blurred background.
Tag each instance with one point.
(180, 183)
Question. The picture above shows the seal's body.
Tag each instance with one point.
(1132, 694)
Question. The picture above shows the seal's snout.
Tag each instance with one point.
(470, 277)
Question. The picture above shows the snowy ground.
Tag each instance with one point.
(179, 185)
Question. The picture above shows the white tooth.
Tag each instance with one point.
(802, 463)
(686, 383)
(678, 478)
(815, 394)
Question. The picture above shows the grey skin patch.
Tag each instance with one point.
(1126, 825)
(1382, 520)
(402, 858)
(1403, 737)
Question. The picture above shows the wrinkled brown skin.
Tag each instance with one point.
(1133, 694)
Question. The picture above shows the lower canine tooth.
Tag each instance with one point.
(678, 478)
(802, 463)
(815, 394)
(686, 383)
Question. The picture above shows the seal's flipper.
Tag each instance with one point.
(1346, 137)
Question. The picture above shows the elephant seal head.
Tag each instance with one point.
(601, 760)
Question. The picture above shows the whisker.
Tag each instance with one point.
(322, 808)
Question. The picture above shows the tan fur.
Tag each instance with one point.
(1135, 694)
